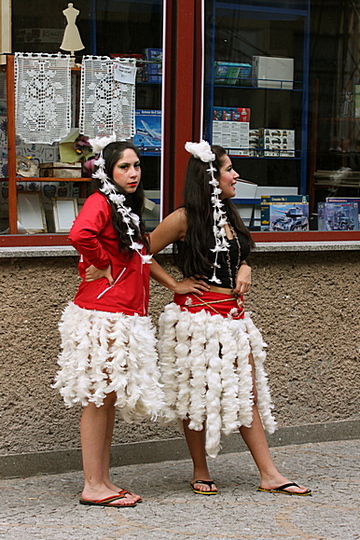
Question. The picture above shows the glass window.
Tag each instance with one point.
(106, 28)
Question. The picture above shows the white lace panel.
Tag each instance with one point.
(106, 105)
(42, 97)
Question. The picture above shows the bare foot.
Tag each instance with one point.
(200, 485)
(121, 497)
(116, 489)
(275, 482)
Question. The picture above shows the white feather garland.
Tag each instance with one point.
(210, 355)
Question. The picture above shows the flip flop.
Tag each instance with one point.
(283, 489)
(207, 483)
(108, 500)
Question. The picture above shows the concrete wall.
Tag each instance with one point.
(305, 303)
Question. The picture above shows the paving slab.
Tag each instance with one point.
(47, 507)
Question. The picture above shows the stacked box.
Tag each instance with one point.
(230, 73)
(254, 143)
(271, 72)
(284, 213)
(277, 142)
(233, 136)
(338, 216)
(153, 65)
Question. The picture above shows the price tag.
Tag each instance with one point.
(124, 74)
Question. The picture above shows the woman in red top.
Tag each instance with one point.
(108, 359)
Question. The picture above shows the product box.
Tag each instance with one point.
(148, 131)
(231, 114)
(231, 72)
(272, 72)
(153, 65)
(277, 142)
(284, 213)
(233, 136)
(345, 200)
(338, 216)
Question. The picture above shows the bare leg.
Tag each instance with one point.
(255, 439)
(196, 444)
(95, 443)
(107, 451)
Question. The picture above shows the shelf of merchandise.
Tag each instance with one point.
(268, 13)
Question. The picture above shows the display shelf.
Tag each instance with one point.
(231, 39)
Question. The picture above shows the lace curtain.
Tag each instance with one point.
(106, 105)
(42, 97)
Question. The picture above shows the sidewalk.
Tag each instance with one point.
(47, 508)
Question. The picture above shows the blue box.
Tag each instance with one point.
(284, 213)
(148, 131)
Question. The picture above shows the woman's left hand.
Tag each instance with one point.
(243, 279)
(92, 274)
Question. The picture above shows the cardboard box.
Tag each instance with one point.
(285, 213)
(231, 114)
(232, 135)
(60, 170)
(153, 65)
(272, 72)
(231, 73)
(148, 130)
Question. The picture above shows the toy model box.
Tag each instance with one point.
(231, 72)
(284, 213)
(277, 142)
(272, 72)
(148, 131)
(232, 135)
(346, 200)
(338, 216)
(231, 114)
(153, 65)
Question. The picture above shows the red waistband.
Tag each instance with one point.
(226, 305)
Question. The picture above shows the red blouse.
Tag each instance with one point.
(95, 238)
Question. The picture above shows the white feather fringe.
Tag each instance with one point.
(206, 375)
(109, 352)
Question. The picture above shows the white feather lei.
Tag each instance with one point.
(130, 219)
(202, 151)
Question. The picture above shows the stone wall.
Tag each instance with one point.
(305, 303)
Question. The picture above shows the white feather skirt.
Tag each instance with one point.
(104, 352)
(206, 375)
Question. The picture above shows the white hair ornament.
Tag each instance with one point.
(130, 219)
(202, 151)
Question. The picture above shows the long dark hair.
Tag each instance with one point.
(111, 154)
(194, 259)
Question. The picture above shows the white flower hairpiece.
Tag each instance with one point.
(202, 151)
(98, 144)
(130, 219)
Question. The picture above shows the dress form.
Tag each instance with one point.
(71, 39)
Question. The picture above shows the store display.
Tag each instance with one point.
(285, 213)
